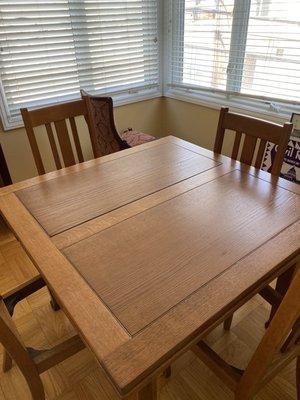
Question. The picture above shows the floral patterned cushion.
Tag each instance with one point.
(134, 138)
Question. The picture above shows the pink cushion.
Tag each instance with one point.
(134, 138)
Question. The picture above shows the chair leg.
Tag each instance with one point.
(36, 387)
(282, 285)
(55, 306)
(228, 322)
(298, 377)
(33, 380)
(149, 392)
(7, 361)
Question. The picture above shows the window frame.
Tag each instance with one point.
(277, 110)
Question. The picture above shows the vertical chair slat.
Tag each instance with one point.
(236, 145)
(220, 131)
(260, 154)
(248, 149)
(281, 148)
(64, 142)
(76, 139)
(32, 140)
(53, 146)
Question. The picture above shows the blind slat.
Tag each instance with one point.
(247, 47)
(52, 49)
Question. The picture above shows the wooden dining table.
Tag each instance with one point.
(148, 249)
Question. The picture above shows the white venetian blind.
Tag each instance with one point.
(245, 47)
(51, 49)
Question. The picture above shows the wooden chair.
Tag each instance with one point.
(20, 292)
(257, 133)
(57, 115)
(30, 361)
(278, 347)
(104, 135)
(254, 129)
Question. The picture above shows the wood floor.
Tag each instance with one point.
(80, 378)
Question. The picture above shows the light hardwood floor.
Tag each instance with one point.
(80, 378)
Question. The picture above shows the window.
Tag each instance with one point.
(237, 51)
(242, 53)
(51, 49)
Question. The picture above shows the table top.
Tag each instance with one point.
(61, 204)
(148, 248)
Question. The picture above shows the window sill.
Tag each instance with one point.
(239, 104)
(119, 100)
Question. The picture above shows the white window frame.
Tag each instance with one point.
(131, 96)
(276, 110)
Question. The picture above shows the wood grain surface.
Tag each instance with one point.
(68, 201)
(81, 378)
(79, 302)
(87, 229)
(159, 260)
(150, 350)
(147, 264)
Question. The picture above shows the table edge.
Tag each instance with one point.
(267, 262)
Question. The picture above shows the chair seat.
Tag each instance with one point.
(134, 138)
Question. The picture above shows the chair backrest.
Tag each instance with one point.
(57, 115)
(254, 129)
(104, 136)
(279, 345)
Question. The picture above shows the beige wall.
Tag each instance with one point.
(197, 124)
(194, 123)
(191, 122)
(145, 116)
(160, 117)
